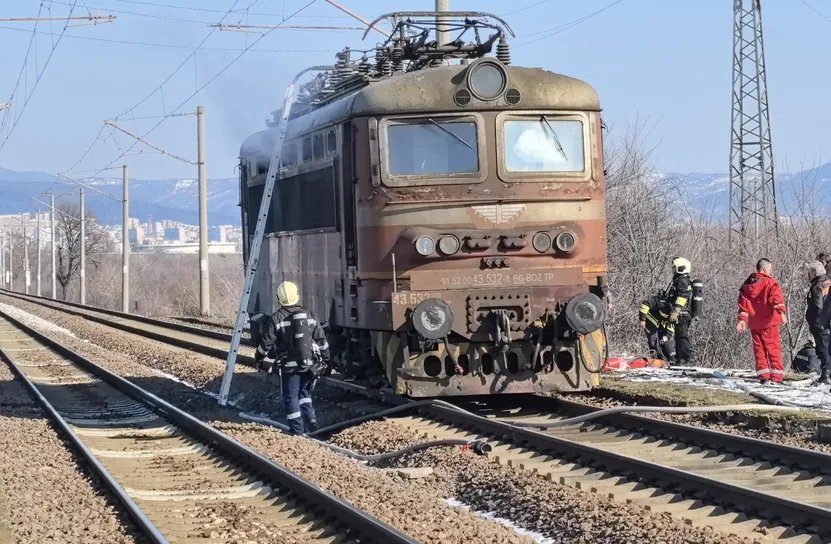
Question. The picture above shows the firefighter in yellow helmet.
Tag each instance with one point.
(295, 340)
(678, 298)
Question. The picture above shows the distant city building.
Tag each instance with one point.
(191, 248)
(137, 236)
(174, 234)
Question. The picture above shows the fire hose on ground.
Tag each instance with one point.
(481, 446)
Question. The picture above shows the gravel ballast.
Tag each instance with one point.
(410, 505)
(49, 493)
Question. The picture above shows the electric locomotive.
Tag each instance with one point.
(443, 210)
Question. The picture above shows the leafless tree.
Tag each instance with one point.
(68, 247)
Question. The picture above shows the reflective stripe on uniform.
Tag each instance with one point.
(299, 335)
(644, 308)
(260, 351)
(283, 324)
(293, 415)
(300, 315)
(763, 371)
(681, 301)
(311, 322)
(774, 371)
(801, 358)
(306, 401)
(325, 345)
(289, 364)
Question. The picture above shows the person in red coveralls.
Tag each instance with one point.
(762, 309)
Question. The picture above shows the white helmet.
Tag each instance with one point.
(288, 294)
(681, 266)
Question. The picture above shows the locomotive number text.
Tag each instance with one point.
(409, 298)
(491, 279)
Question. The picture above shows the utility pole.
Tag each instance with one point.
(52, 236)
(2, 260)
(83, 278)
(27, 278)
(38, 252)
(204, 280)
(442, 32)
(125, 251)
(11, 259)
(752, 187)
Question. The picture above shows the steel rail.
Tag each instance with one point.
(180, 327)
(791, 456)
(747, 500)
(363, 523)
(219, 353)
(133, 510)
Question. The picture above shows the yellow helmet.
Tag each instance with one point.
(287, 294)
(681, 266)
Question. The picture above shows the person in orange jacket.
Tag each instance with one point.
(762, 310)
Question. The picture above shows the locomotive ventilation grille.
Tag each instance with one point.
(462, 97)
(513, 97)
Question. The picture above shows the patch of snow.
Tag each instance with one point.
(41, 325)
(799, 394)
(536, 537)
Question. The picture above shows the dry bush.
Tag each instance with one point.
(167, 285)
(651, 221)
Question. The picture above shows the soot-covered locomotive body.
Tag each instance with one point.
(446, 220)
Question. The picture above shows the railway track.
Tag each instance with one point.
(179, 479)
(206, 341)
(737, 485)
(734, 484)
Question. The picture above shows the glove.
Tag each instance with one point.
(673, 317)
(258, 360)
(741, 326)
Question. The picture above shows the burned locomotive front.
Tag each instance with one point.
(468, 252)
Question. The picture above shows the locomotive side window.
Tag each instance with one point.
(289, 157)
(331, 143)
(318, 146)
(544, 145)
(307, 149)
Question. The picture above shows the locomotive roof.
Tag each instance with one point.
(432, 90)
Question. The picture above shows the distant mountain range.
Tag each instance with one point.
(172, 199)
(177, 199)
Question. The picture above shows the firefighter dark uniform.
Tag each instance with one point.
(678, 298)
(806, 359)
(294, 337)
(818, 317)
(659, 331)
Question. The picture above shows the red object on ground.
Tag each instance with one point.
(621, 363)
(767, 349)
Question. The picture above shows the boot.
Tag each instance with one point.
(825, 378)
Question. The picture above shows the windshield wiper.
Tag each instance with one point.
(450, 132)
(544, 121)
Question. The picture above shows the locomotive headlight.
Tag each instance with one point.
(425, 245)
(449, 244)
(487, 79)
(565, 241)
(541, 242)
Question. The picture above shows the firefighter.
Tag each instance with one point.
(818, 317)
(293, 336)
(824, 258)
(677, 299)
(762, 310)
(806, 359)
(659, 331)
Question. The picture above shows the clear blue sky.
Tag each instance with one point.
(665, 61)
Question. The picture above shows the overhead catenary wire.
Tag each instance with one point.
(199, 89)
(562, 28)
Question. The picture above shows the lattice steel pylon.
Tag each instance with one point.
(753, 213)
